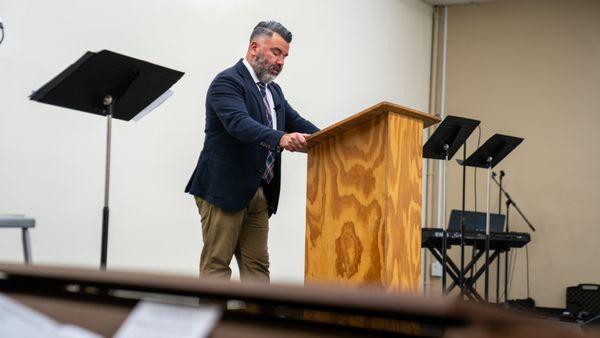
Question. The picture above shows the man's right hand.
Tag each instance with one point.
(294, 142)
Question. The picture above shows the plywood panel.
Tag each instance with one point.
(345, 207)
(403, 216)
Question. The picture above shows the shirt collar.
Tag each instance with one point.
(251, 70)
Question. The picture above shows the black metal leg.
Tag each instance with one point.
(452, 270)
(506, 277)
(471, 265)
(444, 260)
(498, 280)
(104, 248)
(506, 257)
(487, 268)
(481, 269)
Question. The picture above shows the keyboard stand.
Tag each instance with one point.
(469, 283)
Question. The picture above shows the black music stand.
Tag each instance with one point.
(448, 137)
(111, 85)
(494, 150)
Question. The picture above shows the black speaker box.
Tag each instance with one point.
(584, 298)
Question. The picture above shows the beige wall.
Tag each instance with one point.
(532, 69)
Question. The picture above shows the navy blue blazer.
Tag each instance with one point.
(237, 140)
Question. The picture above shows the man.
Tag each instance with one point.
(236, 181)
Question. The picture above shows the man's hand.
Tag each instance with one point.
(294, 142)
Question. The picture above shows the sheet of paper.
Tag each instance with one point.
(154, 320)
(18, 321)
(153, 105)
(71, 331)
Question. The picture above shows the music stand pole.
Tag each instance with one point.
(462, 226)
(443, 222)
(508, 202)
(487, 230)
(109, 104)
(498, 261)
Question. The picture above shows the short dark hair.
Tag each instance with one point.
(268, 27)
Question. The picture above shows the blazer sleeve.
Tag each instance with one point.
(226, 98)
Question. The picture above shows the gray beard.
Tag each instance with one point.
(261, 68)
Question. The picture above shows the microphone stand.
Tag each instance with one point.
(509, 202)
(498, 261)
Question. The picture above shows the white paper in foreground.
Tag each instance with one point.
(156, 320)
(159, 100)
(18, 321)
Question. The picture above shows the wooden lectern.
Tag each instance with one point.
(363, 205)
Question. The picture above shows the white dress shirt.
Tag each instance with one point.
(269, 95)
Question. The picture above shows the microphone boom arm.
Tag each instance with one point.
(509, 200)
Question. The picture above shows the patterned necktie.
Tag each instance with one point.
(270, 163)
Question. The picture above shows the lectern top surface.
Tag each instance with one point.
(368, 114)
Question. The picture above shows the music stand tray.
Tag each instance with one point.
(448, 137)
(494, 150)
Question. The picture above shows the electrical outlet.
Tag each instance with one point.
(436, 269)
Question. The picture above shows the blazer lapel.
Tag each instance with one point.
(249, 82)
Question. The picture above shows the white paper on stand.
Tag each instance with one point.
(157, 320)
(17, 321)
(159, 100)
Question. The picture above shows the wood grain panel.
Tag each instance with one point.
(403, 206)
(345, 211)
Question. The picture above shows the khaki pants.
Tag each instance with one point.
(241, 233)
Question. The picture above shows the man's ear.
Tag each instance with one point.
(254, 47)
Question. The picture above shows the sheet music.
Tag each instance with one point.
(156, 320)
(153, 105)
(18, 321)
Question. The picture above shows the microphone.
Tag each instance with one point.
(493, 174)
(502, 173)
